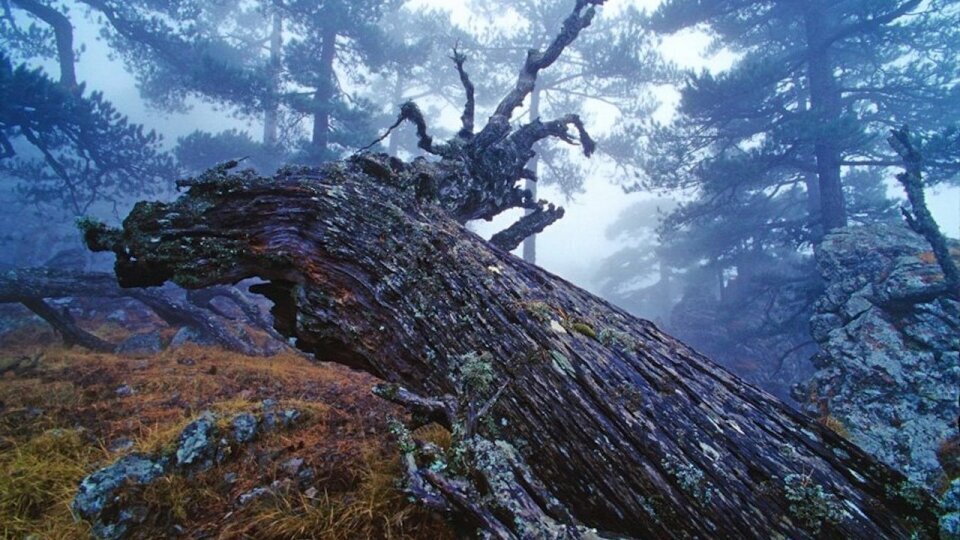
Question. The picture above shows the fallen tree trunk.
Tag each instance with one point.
(31, 286)
(567, 413)
(63, 323)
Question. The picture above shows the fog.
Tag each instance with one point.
(664, 55)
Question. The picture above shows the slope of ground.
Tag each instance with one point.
(65, 413)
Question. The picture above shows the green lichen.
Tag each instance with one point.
(691, 480)
(540, 311)
(810, 504)
(561, 363)
(910, 492)
(616, 339)
(402, 435)
(474, 372)
(584, 328)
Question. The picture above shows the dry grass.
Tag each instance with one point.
(57, 420)
(38, 479)
(372, 508)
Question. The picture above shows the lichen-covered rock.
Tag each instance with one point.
(98, 497)
(888, 366)
(114, 513)
(198, 442)
(274, 419)
(950, 520)
(244, 427)
(137, 344)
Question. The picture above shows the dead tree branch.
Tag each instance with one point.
(534, 222)
(918, 217)
(467, 118)
(30, 286)
(495, 158)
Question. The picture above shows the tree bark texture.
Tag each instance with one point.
(608, 426)
(918, 217)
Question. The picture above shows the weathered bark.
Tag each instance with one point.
(567, 412)
(30, 286)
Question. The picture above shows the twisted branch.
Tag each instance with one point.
(919, 218)
(467, 118)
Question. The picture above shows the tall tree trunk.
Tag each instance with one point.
(827, 109)
(394, 144)
(270, 121)
(323, 97)
(567, 413)
(530, 243)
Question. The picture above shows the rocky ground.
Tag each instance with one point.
(191, 442)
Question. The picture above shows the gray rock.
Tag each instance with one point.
(118, 316)
(950, 526)
(244, 427)
(120, 444)
(97, 498)
(823, 323)
(280, 419)
(292, 466)
(252, 495)
(950, 504)
(124, 390)
(141, 344)
(887, 368)
(187, 334)
(198, 442)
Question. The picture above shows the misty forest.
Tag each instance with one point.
(499, 269)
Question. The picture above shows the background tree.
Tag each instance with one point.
(335, 47)
(787, 144)
(63, 149)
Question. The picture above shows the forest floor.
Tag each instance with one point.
(66, 412)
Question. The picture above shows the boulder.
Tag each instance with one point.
(98, 498)
(888, 373)
(147, 343)
(198, 442)
(188, 334)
